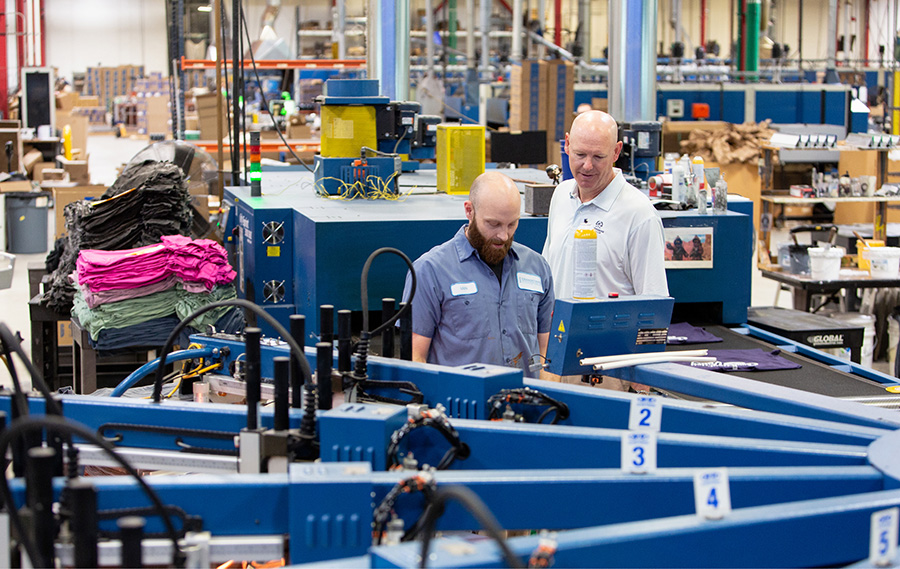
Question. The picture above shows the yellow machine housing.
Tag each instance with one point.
(346, 129)
(460, 157)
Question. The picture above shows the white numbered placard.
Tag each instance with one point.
(645, 414)
(883, 537)
(639, 452)
(712, 495)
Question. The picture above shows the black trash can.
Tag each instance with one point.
(26, 221)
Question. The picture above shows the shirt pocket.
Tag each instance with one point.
(468, 316)
(528, 312)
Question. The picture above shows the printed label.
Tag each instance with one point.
(528, 281)
(462, 289)
(647, 336)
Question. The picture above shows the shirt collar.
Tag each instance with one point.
(605, 199)
(464, 249)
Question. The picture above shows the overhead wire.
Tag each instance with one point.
(263, 94)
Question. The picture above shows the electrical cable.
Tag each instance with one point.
(242, 121)
(473, 504)
(437, 420)
(148, 367)
(360, 372)
(19, 398)
(364, 289)
(59, 424)
(528, 396)
(10, 341)
(295, 349)
(421, 482)
(266, 102)
(224, 27)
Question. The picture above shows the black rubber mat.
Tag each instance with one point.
(813, 376)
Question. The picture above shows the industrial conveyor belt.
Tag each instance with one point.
(813, 376)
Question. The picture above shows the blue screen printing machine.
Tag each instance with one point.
(360, 459)
(787, 476)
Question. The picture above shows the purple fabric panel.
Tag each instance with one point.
(744, 360)
(684, 333)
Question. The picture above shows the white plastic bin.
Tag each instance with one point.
(825, 263)
(867, 322)
(884, 262)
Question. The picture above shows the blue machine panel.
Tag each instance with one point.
(727, 281)
(803, 104)
(626, 325)
(325, 268)
(724, 105)
(264, 255)
(336, 176)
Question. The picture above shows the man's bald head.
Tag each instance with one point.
(493, 186)
(493, 213)
(595, 124)
(593, 147)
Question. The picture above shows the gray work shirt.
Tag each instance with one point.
(470, 316)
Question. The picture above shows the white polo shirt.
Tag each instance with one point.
(630, 242)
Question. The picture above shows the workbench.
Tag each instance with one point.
(850, 280)
(766, 217)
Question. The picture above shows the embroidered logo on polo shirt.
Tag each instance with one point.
(598, 226)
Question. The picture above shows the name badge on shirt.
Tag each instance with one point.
(528, 281)
(463, 289)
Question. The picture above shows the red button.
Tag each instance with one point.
(613, 295)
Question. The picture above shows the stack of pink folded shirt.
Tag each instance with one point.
(198, 261)
(111, 276)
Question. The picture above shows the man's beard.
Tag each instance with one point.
(489, 254)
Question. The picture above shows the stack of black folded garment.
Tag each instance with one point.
(148, 200)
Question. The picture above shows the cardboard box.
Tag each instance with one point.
(64, 196)
(78, 124)
(153, 115)
(673, 132)
(744, 180)
(76, 169)
(64, 333)
(560, 99)
(89, 101)
(191, 122)
(299, 131)
(18, 186)
(863, 163)
(207, 116)
(528, 96)
(599, 104)
(31, 158)
(54, 175)
(66, 100)
(38, 173)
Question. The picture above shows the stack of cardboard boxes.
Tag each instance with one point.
(542, 95)
(153, 105)
(107, 83)
(206, 116)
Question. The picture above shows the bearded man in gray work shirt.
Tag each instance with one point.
(480, 297)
